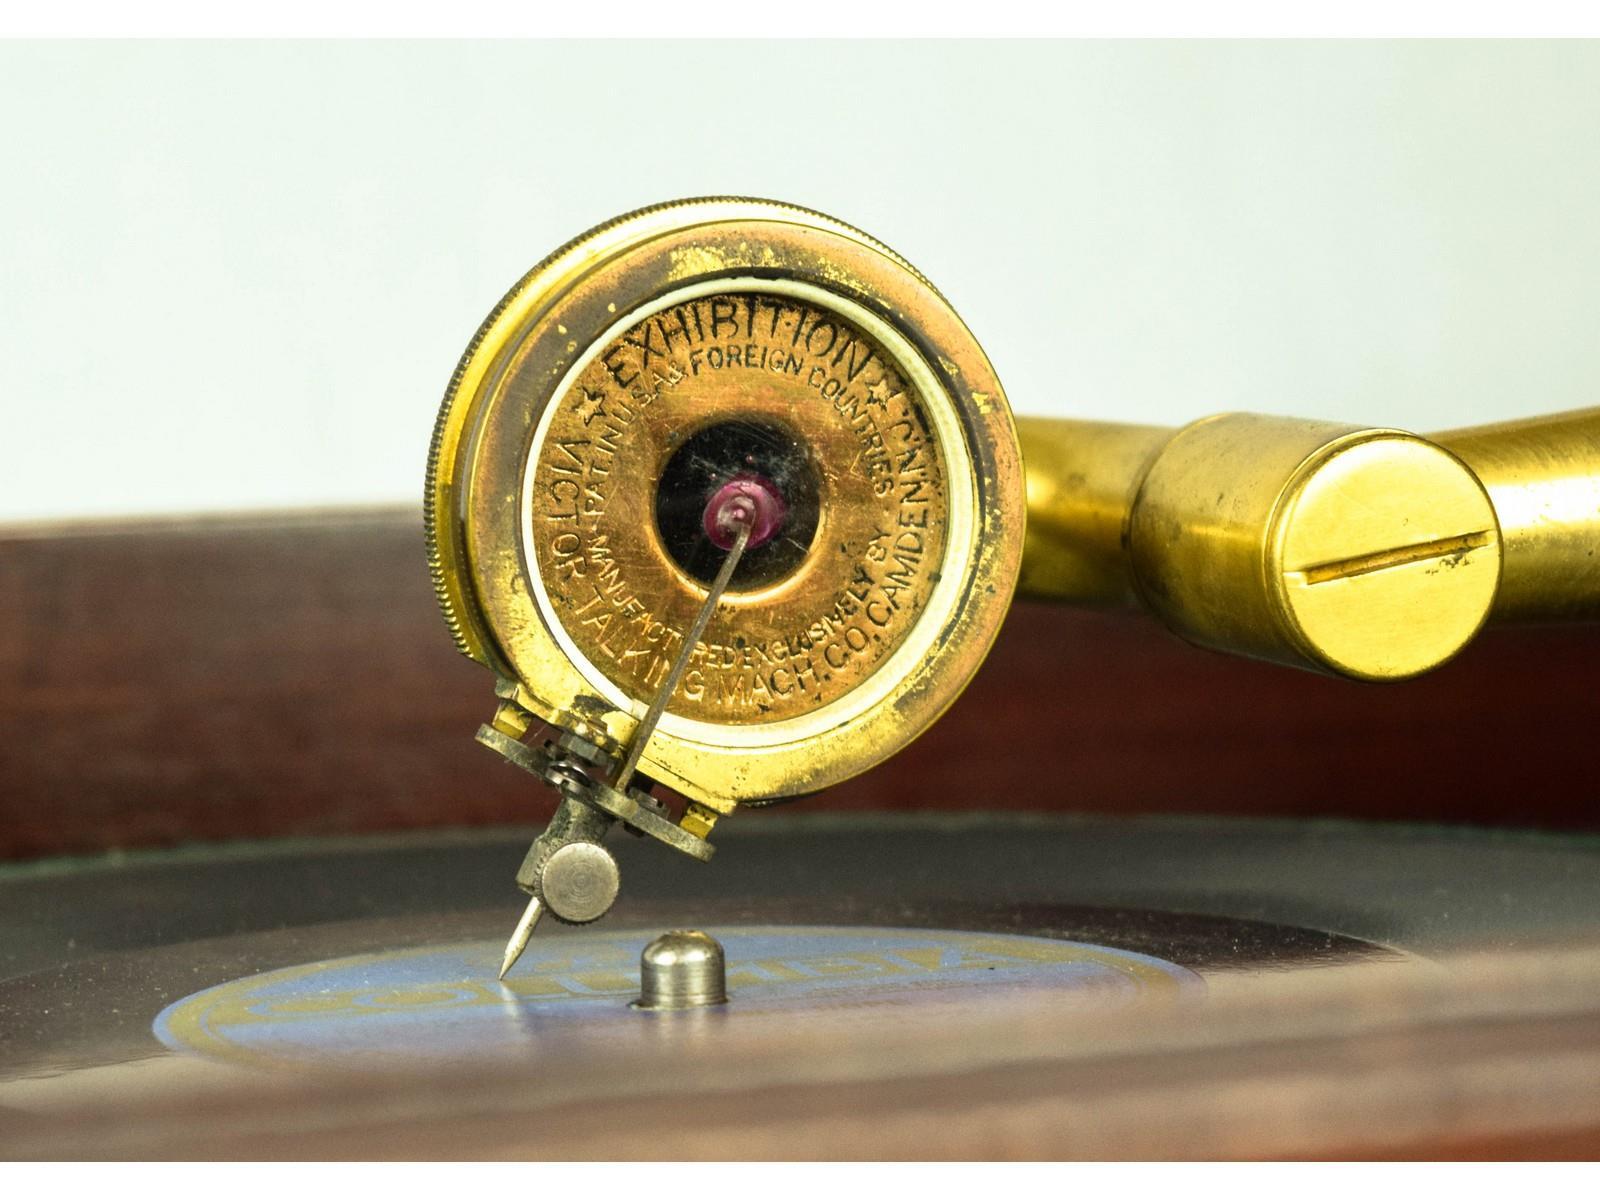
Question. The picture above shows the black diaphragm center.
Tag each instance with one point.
(711, 458)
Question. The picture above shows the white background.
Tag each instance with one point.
(238, 275)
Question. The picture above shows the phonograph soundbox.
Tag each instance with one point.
(733, 507)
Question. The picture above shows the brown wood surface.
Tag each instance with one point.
(169, 681)
(1480, 1057)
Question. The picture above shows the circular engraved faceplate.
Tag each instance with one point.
(870, 531)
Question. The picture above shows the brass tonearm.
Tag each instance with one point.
(1369, 553)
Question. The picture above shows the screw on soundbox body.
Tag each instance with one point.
(580, 882)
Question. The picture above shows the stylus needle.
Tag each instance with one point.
(521, 934)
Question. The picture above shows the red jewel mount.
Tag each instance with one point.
(746, 499)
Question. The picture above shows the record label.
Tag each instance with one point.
(443, 1002)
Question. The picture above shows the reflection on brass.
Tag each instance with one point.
(1369, 553)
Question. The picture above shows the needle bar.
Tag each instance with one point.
(691, 639)
(530, 915)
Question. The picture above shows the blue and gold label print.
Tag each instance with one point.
(443, 1003)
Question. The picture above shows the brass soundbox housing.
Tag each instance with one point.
(533, 365)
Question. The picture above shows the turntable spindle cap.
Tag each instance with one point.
(682, 969)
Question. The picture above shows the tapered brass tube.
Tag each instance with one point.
(1543, 475)
(1371, 553)
(1081, 480)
